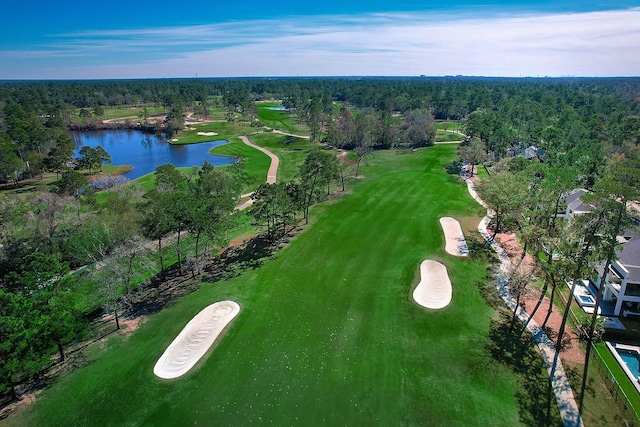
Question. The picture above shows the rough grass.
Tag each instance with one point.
(328, 334)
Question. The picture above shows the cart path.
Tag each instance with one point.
(560, 383)
(271, 173)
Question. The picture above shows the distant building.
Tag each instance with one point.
(529, 153)
(575, 205)
(533, 152)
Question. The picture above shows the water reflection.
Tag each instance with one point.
(144, 152)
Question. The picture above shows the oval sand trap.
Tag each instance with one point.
(195, 339)
(434, 290)
(207, 133)
(455, 242)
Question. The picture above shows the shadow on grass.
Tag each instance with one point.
(289, 140)
(163, 290)
(509, 345)
(480, 250)
(235, 260)
(506, 345)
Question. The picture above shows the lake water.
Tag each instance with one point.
(144, 152)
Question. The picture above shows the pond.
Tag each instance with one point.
(144, 152)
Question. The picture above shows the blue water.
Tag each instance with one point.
(144, 152)
(586, 299)
(632, 360)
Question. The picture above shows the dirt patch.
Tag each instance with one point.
(570, 349)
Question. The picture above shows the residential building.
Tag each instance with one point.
(622, 280)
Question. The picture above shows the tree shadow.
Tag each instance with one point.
(453, 168)
(506, 345)
(289, 140)
(163, 289)
(481, 251)
(235, 260)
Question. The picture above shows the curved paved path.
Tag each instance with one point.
(290, 134)
(271, 173)
(560, 383)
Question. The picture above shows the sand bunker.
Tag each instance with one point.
(455, 242)
(207, 133)
(434, 290)
(195, 339)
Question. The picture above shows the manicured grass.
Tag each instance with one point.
(224, 130)
(621, 377)
(442, 136)
(121, 111)
(256, 163)
(450, 126)
(280, 119)
(328, 333)
(290, 150)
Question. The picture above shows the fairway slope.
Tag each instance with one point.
(434, 290)
(195, 339)
(455, 243)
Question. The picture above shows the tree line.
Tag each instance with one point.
(529, 198)
(577, 122)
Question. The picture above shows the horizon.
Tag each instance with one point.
(345, 77)
(502, 39)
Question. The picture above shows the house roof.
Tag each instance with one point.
(530, 152)
(575, 203)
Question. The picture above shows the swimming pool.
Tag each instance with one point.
(629, 359)
(632, 360)
(586, 300)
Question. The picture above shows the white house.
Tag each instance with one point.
(622, 280)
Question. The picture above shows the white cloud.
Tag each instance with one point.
(585, 44)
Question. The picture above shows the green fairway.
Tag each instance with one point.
(290, 150)
(280, 119)
(223, 130)
(327, 333)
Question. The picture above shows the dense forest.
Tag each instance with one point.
(576, 121)
(577, 124)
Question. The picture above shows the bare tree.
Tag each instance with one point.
(126, 266)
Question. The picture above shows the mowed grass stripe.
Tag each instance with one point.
(328, 333)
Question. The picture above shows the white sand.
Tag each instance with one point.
(207, 133)
(434, 290)
(455, 242)
(195, 339)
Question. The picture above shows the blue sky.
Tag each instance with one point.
(70, 39)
